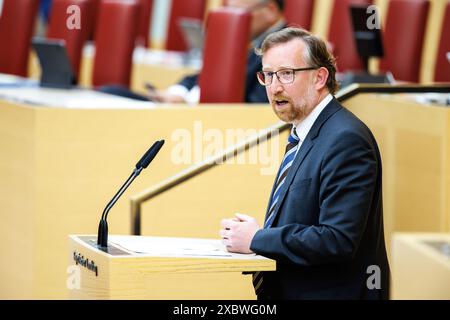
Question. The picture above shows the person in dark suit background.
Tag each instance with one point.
(324, 222)
(267, 17)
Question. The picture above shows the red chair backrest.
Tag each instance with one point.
(94, 18)
(17, 22)
(145, 18)
(340, 35)
(74, 38)
(182, 9)
(442, 71)
(222, 79)
(114, 42)
(299, 12)
(403, 38)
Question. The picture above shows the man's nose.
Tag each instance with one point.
(276, 86)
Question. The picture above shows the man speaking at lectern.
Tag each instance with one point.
(324, 221)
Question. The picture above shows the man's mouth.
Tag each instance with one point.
(279, 103)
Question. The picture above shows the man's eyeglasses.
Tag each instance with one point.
(285, 76)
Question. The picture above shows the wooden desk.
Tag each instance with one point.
(421, 266)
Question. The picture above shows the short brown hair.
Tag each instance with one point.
(317, 53)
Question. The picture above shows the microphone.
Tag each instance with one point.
(102, 237)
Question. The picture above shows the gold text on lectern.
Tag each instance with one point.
(85, 262)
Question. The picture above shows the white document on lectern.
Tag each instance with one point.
(171, 246)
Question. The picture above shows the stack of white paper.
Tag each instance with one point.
(170, 246)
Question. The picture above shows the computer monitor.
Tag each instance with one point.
(57, 71)
(192, 31)
(367, 38)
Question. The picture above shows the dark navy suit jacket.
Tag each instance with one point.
(327, 236)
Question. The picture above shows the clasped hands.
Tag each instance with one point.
(237, 233)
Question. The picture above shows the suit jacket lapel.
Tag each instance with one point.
(306, 146)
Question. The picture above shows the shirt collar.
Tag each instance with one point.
(303, 128)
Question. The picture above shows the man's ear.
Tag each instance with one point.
(321, 78)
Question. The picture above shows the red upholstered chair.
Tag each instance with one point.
(403, 38)
(94, 18)
(222, 79)
(114, 42)
(145, 18)
(74, 38)
(182, 9)
(442, 71)
(340, 36)
(16, 29)
(299, 12)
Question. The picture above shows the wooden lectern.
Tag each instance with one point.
(171, 268)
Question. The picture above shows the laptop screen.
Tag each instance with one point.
(192, 30)
(57, 71)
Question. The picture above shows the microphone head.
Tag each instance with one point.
(150, 155)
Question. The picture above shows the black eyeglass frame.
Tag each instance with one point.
(261, 73)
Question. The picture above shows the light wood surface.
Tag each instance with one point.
(420, 270)
(155, 276)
